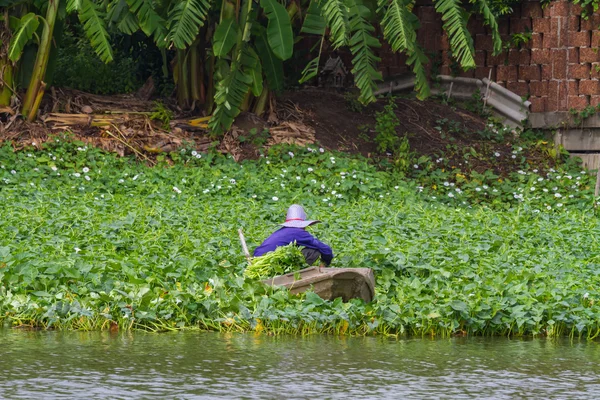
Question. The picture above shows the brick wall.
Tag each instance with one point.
(556, 69)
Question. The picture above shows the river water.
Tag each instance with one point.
(101, 365)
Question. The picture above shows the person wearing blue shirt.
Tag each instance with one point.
(293, 230)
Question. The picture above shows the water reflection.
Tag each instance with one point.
(198, 365)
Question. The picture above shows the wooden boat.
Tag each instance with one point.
(330, 283)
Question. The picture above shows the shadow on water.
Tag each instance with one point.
(194, 365)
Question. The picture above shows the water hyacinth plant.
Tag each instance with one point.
(90, 241)
(281, 261)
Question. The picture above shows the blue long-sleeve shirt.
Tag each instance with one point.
(285, 236)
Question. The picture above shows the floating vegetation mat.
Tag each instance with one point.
(93, 241)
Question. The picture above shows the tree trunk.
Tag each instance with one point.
(6, 81)
(35, 90)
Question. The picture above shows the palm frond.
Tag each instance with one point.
(230, 92)
(361, 44)
(92, 19)
(119, 15)
(27, 27)
(455, 25)
(185, 20)
(74, 5)
(418, 60)
(490, 20)
(312, 68)
(400, 31)
(335, 13)
(399, 25)
(252, 67)
(151, 23)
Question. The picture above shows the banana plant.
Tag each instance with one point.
(34, 22)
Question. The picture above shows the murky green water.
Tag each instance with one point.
(208, 365)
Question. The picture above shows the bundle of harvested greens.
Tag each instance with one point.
(281, 261)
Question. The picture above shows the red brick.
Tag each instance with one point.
(503, 26)
(467, 74)
(538, 88)
(562, 96)
(475, 26)
(538, 104)
(445, 70)
(480, 57)
(559, 9)
(427, 14)
(540, 56)
(559, 26)
(594, 100)
(589, 54)
(573, 55)
(559, 63)
(595, 70)
(578, 102)
(499, 59)
(595, 38)
(529, 73)
(513, 57)
(589, 86)
(579, 39)
(546, 12)
(518, 25)
(550, 40)
(573, 23)
(531, 9)
(551, 104)
(445, 43)
(536, 41)
(557, 96)
(590, 24)
(484, 72)
(575, 9)
(484, 42)
(506, 73)
(573, 86)
(546, 72)
(520, 88)
(541, 25)
(579, 71)
(519, 57)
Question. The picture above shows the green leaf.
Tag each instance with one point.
(458, 305)
(92, 19)
(185, 20)
(272, 65)
(151, 23)
(455, 25)
(279, 29)
(225, 37)
(311, 70)
(27, 27)
(230, 92)
(335, 13)
(361, 44)
(314, 23)
(490, 20)
(74, 5)
(253, 68)
(119, 15)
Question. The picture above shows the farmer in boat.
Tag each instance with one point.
(293, 230)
